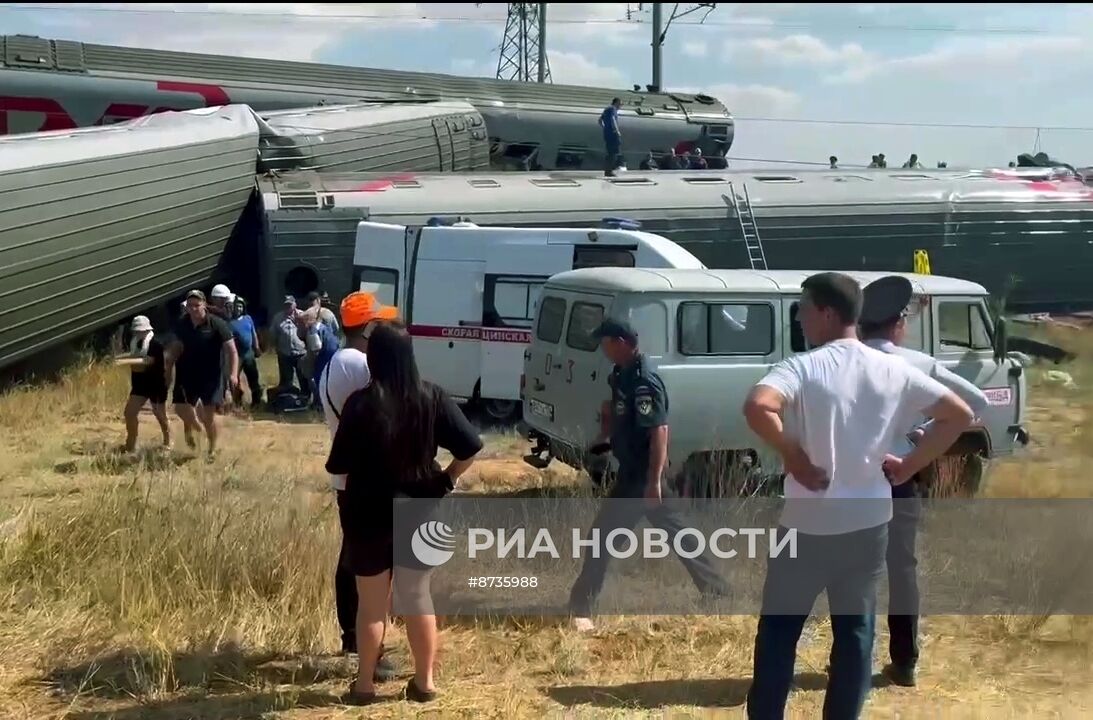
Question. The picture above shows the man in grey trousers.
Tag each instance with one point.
(884, 327)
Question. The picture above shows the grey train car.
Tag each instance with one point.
(426, 137)
(97, 224)
(1024, 236)
(62, 84)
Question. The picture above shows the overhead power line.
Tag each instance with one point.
(742, 23)
(884, 123)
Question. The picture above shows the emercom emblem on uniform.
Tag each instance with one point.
(645, 405)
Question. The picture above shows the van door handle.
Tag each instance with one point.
(593, 376)
(557, 366)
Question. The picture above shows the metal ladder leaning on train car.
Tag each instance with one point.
(757, 257)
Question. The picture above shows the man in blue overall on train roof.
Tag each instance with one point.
(612, 138)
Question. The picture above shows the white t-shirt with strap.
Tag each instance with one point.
(845, 404)
(346, 373)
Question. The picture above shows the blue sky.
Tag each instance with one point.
(1013, 65)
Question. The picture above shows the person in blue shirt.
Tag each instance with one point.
(612, 138)
(323, 342)
(246, 341)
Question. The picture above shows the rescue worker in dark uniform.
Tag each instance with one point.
(883, 326)
(638, 428)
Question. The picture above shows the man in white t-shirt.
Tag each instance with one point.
(346, 373)
(833, 414)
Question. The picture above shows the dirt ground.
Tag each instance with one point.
(169, 587)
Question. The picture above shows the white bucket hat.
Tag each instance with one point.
(141, 324)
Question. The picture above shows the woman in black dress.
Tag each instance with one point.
(386, 445)
(148, 382)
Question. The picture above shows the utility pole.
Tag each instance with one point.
(658, 44)
(543, 69)
(660, 31)
(523, 49)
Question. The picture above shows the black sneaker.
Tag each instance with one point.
(415, 694)
(902, 675)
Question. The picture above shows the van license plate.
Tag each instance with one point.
(542, 409)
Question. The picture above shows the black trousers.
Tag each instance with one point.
(249, 365)
(289, 367)
(624, 509)
(903, 574)
(345, 600)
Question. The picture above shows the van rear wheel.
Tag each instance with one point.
(501, 411)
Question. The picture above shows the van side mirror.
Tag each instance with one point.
(1001, 339)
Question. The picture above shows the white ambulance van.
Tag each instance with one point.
(469, 294)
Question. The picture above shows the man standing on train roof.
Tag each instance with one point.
(638, 429)
(612, 137)
(884, 327)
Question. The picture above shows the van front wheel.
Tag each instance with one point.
(501, 411)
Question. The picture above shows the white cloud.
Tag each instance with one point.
(797, 49)
(573, 68)
(695, 48)
(969, 61)
(753, 100)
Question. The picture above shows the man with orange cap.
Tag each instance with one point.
(345, 373)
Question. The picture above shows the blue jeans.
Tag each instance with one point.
(848, 567)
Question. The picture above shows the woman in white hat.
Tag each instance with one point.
(148, 382)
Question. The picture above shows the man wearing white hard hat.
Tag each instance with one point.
(220, 300)
(148, 382)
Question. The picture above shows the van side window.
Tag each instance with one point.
(584, 318)
(551, 320)
(589, 257)
(726, 329)
(963, 324)
(510, 301)
(797, 342)
(381, 282)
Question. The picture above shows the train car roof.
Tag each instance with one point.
(491, 193)
(152, 132)
(787, 282)
(23, 52)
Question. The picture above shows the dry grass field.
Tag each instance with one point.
(167, 587)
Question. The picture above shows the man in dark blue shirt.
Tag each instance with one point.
(612, 138)
(638, 429)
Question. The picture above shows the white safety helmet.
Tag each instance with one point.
(220, 292)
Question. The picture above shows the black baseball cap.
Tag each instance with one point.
(196, 294)
(885, 299)
(619, 329)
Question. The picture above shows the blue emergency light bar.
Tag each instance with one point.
(620, 224)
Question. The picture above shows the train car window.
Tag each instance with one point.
(912, 177)
(520, 151)
(569, 159)
(405, 184)
(848, 178)
(709, 180)
(484, 183)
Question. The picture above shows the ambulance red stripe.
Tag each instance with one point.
(476, 334)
